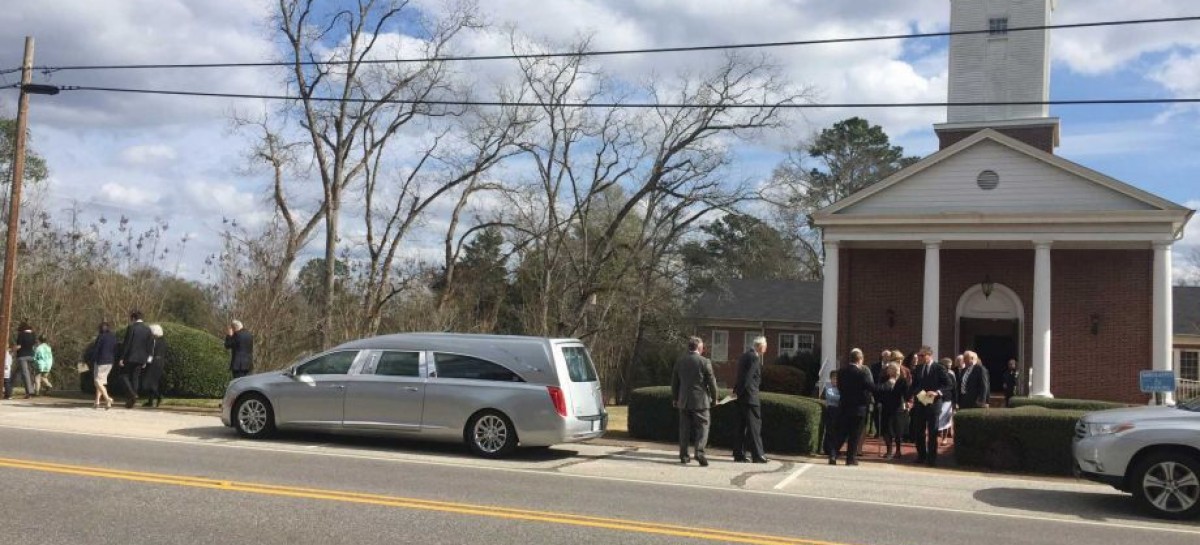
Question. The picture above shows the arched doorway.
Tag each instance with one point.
(992, 326)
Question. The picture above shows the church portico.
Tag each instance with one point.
(1099, 305)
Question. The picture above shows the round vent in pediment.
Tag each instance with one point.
(988, 180)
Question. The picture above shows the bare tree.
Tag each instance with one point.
(385, 97)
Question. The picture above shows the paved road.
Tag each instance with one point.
(155, 477)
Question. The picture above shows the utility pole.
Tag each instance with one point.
(14, 200)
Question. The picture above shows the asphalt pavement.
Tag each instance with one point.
(74, 475)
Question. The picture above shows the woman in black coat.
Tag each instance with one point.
(153, 373)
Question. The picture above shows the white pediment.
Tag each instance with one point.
(1029, 181)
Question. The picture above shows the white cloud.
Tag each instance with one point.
(124, 195)
(148, 154)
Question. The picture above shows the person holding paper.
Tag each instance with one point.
(693, 392)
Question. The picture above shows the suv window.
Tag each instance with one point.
(579, 365)
(468, 367)
(334, 363)
(399, 364)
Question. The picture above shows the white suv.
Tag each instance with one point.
(1151, 452)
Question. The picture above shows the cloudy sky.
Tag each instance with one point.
(178, 160)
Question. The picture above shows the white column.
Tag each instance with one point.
(933, 295)
(1040, 364)
(1162, 322)
(829, 312)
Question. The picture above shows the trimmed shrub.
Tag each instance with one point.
(790, 423)
(783, 379)
(1032, 439)
(1066, 404)
(197, 365)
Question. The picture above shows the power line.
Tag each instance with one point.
(759, 45)
(642, 105)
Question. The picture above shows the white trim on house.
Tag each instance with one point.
(1164, 211)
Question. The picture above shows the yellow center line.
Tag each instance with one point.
(411, 503)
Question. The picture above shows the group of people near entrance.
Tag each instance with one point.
(904, 400)
(140, 360)
(899, 399)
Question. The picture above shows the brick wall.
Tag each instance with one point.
(1116, 285)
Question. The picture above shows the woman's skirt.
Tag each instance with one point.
(101, 376)
(946, 417)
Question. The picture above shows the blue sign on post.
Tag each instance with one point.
(1153, 382)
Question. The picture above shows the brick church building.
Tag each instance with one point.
(996, 244)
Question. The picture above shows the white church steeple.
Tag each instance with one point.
(1000, 66)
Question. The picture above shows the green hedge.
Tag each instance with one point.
(1029, 439)
(1066, 404)
(790, 423)
(197, 364)
(783, 379)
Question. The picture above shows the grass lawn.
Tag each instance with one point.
(191, 403)
(618, 418)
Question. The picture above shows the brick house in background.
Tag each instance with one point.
(786, 312)
(1186, 355)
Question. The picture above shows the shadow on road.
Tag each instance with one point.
(1097, 506)
(372, 443)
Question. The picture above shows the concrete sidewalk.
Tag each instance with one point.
(617, 437)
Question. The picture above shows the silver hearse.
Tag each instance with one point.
(495, 392)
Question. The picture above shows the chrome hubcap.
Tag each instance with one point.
(490, 433)
(1171, 487)
(252, 416)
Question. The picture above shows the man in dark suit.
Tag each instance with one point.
(1011, 378)
(693, 392)
(976, 388)
(749, 422)
(135, 354)
(240, 344)
(856, 385)
(935, 384)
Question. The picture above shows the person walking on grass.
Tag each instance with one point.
(103, 354)
(43, 356)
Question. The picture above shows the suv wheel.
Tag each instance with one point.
(1167, 484)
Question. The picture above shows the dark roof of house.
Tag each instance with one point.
(1186, 306)
(762, 300)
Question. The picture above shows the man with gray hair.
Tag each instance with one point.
(748, 435)
(693, 392)
(240, 344)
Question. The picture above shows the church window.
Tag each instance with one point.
(998, 26)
